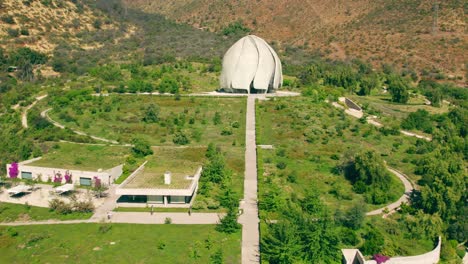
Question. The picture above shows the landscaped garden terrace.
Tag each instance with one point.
(81, 157)
(179, 161)
(325, 171)
(161, 120)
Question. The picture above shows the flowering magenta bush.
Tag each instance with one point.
(58, 177)
(97, 182)
(379, 258)
(68, 177)
(13, 171)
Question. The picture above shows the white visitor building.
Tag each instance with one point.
(28, 170)
(145, 187)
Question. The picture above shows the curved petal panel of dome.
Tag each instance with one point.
(251, 66)
(277, 78)
(230, 62)
(266, 66)
(246, 66)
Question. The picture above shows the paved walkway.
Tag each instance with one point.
(249, 219)
(403, 199)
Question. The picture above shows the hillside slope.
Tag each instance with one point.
(399, 32)
(42, 25)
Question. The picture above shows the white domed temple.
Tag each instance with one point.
(251, 66)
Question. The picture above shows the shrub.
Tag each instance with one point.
(12, 32)
(8, 19)
(180, 139)
(83, 206)
(281, 165)
(60, 206)
(24, 32)
(141, 147)
(226, 132)
(104, 229)
(168, 221)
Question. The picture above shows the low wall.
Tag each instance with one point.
(352, 105)
(354, 256)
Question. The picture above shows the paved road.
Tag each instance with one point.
(404, 198)
(249, 219)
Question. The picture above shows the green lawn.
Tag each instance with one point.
(116, 243)
(10, 212)
(167, 210)
(81, 157)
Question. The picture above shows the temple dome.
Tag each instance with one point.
(251, 66)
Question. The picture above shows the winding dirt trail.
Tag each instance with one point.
(24, 115)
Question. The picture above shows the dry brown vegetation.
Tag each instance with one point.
(399, 32)
(42, 24)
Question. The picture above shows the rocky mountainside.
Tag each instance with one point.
(420, 34)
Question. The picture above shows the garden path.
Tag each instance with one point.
(24, 115)
(45, 115)
(403, 199)
(372, 121)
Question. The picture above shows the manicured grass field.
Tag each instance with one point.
(10, 212)
(82, 157)
(167, 210)
(116, 243)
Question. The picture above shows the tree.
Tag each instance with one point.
(368, 174)
(374, 242)
(141, 147)
(281, 244)
(151, 114)
(398, 89)
(420, 120)
(229, 223)
(354, 218)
